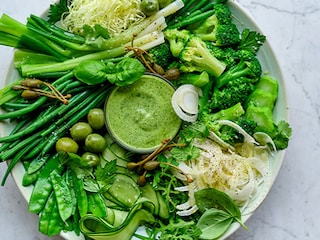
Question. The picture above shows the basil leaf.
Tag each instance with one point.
(214, 223)
(91, 72)
(126, 72)
(212, 198)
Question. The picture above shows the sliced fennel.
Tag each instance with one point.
(225, 170)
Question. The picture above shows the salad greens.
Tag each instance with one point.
(176, 191)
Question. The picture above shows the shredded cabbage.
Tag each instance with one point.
(238, 173)
(114, 15)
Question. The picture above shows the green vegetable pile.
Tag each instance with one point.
(83, 181)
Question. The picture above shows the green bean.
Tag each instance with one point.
(17, 128)
(60, 83)
(45, 118)
(63, 195)
(16, 159)
(193, 19)
(15, 105)
(43, 186)
(50, 222)
(98, 100)
(5, 155)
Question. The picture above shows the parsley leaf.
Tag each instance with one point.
(105, 175)
(58, 10)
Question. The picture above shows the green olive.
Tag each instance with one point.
(95, 143)
(66, 144)
(80, 131)
(149, 7)
(96, 118)
(90, 159)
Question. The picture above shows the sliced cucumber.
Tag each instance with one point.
(125, 190)
(99, 229)
(163, 207)
(148, 193)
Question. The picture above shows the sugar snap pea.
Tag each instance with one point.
(50, 222)
(81, 195)
(71, 185)
(43, 186)
(63, 195)
(30, 178)
(37, 163)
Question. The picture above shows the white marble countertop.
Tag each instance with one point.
(289, 212)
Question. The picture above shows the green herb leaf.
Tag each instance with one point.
(90, 185)
(95, 36)
(185, 153)
(212, 198)
(214, 223)
(57, 10)
(105, 176)
(126, 72)
(251, 41)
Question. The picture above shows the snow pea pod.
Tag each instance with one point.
(30, 178)
(63, 195)
(50, 222)
(81, 195)
(43, 186)
(69, 177)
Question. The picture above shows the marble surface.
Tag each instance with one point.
(290, 211)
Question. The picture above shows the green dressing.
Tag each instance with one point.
(139, 116)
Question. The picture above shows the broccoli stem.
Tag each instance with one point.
(230, 113)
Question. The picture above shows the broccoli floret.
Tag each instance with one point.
(161, 55)
(248, 66)
(197, 57)
(177, 39)
(232, 136)
(196, 79)
(236, 91)
(219, 28)
(227, 55)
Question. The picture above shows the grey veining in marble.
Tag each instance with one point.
(290, 211)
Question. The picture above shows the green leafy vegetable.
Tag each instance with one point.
(214, 223)
(125, 72)
(57, 10)
(219, 212)
(251, 40)
(211, 198)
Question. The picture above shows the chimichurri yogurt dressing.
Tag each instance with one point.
(140, 116)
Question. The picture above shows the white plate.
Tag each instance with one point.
(269, 63)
